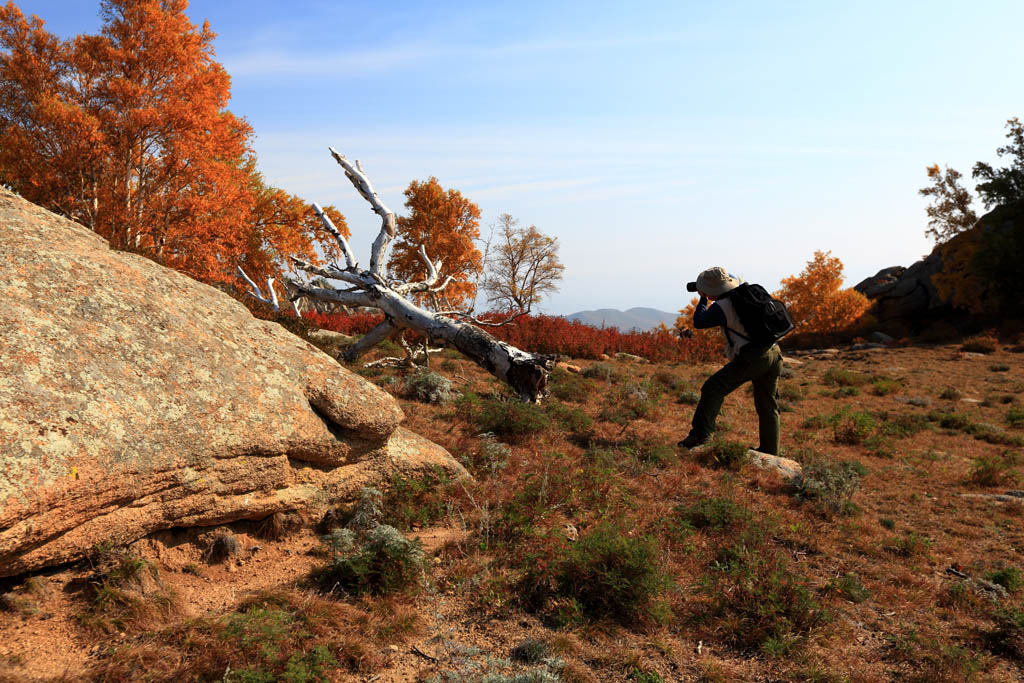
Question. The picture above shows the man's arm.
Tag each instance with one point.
(705, 316)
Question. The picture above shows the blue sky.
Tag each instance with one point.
(654, 139)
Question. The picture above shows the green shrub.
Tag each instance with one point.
(1010, 578)
(756, 600)
(468, 406)
(995, 470)
(852, 427)
(830, 485)
(631, 401)
(648, 451)
(672, 382)
(816, 422)
(883, 386)
(426, 386)
(731, 455)
(712, 514)
(568, 387)
(125, 592)
(689, 398)
(954, 421)
(513, 420)
(570, 418)
(267, 633)
(911, 544)
(999, 367)
(902, 425)
(1015, 417)
(850, 587)
(367, 512)
(412, 501)
(530, 651)
(603, 371)
(491, 455)
(386, 562)
(951, 394)
(791, 392)
(612, 575)
(843, 378)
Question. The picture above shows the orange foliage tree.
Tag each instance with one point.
(445, 223)
(683, 326)
(815, 298)
(127, 132)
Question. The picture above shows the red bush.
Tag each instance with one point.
(346, 323)
(554, 335)
(551, 334)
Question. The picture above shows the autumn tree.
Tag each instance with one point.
(522, 268)
(1001, 186)
(445, 223)
(950, 212)
(128, 133)
(816, 300)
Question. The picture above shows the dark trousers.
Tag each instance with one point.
(759, 365)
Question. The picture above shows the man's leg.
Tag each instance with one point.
(766, 400)
(712, 394)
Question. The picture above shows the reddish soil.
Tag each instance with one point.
(917, 620)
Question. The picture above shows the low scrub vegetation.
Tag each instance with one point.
(830, 485)
(620, 551)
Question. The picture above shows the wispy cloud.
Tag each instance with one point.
(330, 61)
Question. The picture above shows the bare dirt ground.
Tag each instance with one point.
(929, 523)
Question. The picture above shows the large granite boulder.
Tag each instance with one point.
(904, 294)
(977, 273)
(133, 398)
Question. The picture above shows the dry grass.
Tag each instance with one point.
(732, 574)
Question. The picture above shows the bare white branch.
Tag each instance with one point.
(389, 223)
(350, 259)
(331, 273)
(346, 297)
(525, 372)
(256, 293)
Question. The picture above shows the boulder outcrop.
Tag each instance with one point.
(133, 399)
(904, 294)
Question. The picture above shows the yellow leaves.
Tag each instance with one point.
(815, 300)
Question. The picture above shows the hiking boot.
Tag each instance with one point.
(692, 441)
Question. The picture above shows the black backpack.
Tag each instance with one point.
(765, 319)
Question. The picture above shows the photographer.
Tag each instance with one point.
(750, 359)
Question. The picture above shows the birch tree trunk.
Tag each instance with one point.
(524, 372)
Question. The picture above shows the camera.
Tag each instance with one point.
(691, 286)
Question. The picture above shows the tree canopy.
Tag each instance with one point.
(446, 224)
(523, 267)
(950, 212)
(1000, 186)
(128, 133)
(816, 300)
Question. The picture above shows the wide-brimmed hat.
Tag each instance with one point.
(716, 281)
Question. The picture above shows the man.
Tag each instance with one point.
(759, 364)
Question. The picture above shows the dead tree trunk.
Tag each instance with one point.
(525, 372)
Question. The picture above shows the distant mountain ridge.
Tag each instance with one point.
(639, 318)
